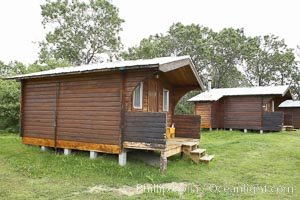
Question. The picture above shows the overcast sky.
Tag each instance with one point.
(21, 27)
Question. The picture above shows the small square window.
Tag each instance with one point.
(138, 96)
(165, 100)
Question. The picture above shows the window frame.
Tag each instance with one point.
(168, 102)
(141, 97)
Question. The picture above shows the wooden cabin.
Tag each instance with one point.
(253, 108)
(110, 107)
(291, 110)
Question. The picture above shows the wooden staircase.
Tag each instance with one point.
(195, 153)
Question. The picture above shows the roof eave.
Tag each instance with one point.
(81, 72)
(166, 67)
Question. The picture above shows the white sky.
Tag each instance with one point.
(21, 28)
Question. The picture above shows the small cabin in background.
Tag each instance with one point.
(291, 111)
(110, 107)
(253, 108)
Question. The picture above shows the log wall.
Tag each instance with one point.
(145, 127)
(187, 126)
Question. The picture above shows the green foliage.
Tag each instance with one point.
(214, 53)
(231, 58)
(10, 90)
(9, 105)
(269, 61)
(240, 158)
(184, 107)
(10, 96)
(80, 31)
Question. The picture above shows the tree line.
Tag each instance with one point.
(84, 32)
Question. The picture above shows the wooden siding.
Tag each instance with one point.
(243, 112)
(272, 121)
(291, 116)
(187, 126)
(88, 108)
(204, 109)
(145, 127)
(85, 146)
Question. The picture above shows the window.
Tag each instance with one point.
(138, 96)
(165, 100)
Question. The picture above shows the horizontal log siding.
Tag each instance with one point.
(291, 116)
(187, 126)
(243, 112)
(132, 79)
(88, 108)
(272, 121)
(204, 109)
(217, 114)
(38, 109)
(164, 84)
(145, 127)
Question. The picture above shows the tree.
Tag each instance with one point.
(226, 47)
(268, 61)
(10, 96)
(214, 53)
(80, 31)
(295, 85)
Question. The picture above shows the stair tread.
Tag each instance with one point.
(207, 158)
(198, 151)
(190, 143)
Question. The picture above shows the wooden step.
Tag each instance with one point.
(198, 151)
(288, 128)
(190, 144)
(187, 147)
(207, 158)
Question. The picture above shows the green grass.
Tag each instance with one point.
(271, 159)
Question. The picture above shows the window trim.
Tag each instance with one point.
(168, 102)
(141, 97)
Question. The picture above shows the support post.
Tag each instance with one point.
(93, 154)
(261, 131)
(163, 162)
(210, 129)
(44, 148)
(123, 158)
(67, 152)
(245, 130)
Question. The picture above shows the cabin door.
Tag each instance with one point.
(152, 95)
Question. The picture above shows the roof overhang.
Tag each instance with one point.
(167, 65)
(216, 94)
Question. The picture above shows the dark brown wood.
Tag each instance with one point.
(152, 95)
(272, 121)
(90, 108)
(291, 116)
(148, 133)
(238, 112)
(21, 121)
(187, 126)
(55, 113)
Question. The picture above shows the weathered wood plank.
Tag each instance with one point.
(273, 121)
(85, 146)
(152, 132)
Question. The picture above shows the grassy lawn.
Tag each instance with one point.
(250, 159)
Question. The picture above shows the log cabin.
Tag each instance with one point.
(291, 110)
(252, 108)
(110, 107)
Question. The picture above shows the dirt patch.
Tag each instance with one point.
(180, 188)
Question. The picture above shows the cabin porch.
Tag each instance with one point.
(147, 131)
